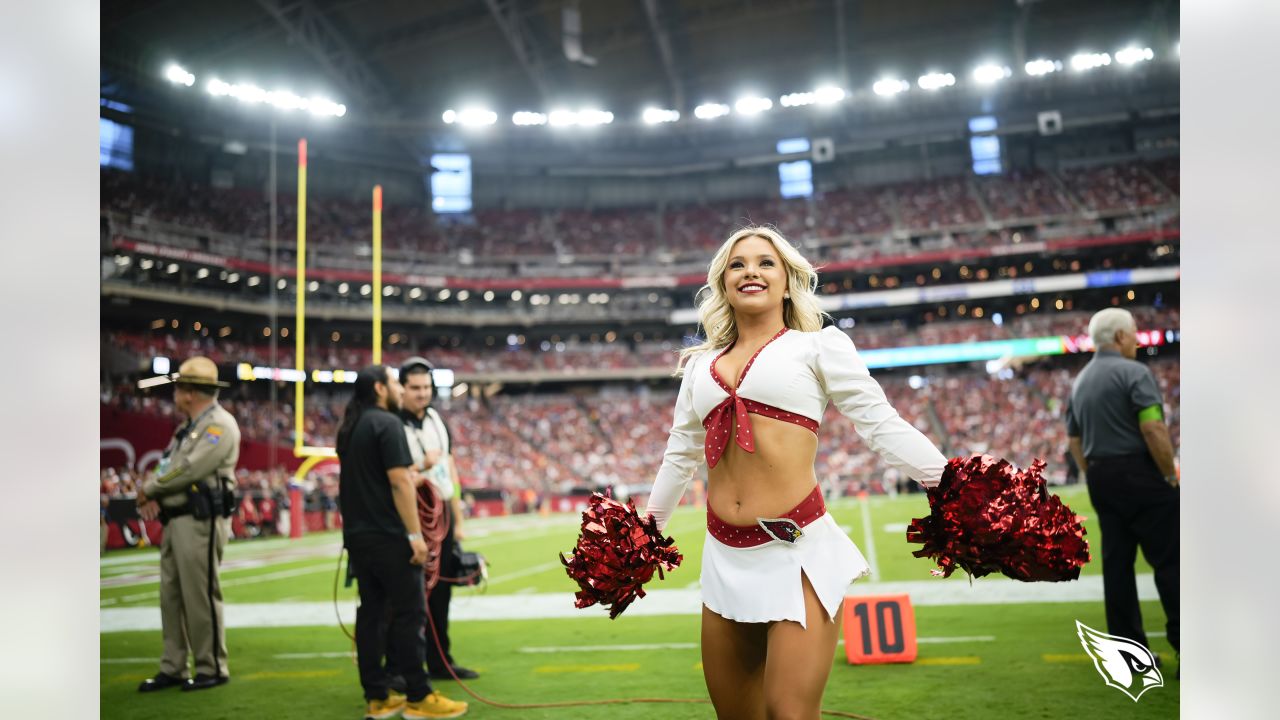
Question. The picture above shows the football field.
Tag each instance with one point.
(995, 648)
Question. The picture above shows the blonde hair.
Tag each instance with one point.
(715, 314)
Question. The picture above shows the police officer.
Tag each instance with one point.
(431, 445)
(1118, 437)
(192, 491)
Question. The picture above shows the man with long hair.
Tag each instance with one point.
(381, 532)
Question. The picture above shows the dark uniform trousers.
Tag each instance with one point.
(389, 586)
(191, 596)
(1136, 508)
(438, 658)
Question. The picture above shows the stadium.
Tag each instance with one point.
(528, 194)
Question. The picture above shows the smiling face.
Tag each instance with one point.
(417, 391)
(755, 279)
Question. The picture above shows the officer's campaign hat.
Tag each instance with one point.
(195, 371)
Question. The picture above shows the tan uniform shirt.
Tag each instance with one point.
(204, 450)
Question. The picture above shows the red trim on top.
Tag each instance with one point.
(734, 411)
(745, 368)
(755, 407)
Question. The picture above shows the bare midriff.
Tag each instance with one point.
(766, 483)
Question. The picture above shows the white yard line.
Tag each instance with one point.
(234, 582)
(531, 570)
(868, 539)
(607, 648)
(541, 606)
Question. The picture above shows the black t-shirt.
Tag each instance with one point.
(364, 491)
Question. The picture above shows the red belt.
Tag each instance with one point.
(785, 528)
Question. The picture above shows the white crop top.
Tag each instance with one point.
(790, 378)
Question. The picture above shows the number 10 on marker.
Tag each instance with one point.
(879, 629)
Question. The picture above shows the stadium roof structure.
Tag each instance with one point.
(398, 66)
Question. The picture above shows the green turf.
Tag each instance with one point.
(525, 560)
(1011, 678)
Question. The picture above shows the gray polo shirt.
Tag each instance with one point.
(1105, 401)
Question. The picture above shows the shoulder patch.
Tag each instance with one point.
(213, 434)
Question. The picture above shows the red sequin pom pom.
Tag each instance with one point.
(617, 553)
(988, 516)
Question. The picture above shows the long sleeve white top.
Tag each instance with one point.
(795, 375)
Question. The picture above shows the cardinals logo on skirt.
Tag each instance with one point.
(784, 529)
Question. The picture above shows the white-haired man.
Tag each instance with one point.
(1118, 437)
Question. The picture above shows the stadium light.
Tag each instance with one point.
(594, 117)
(525, 117)
(653, 116)
(829, 94)
(710, 111)
(799, 99)
(990, 74)
(1134, 55)
(177, 75)
(563, 118)
(752, 105)
(1039, 67)
(889, 87)
(825, 95)
(470, 117)
(1088, 61)
(280, 99)
(936, 81)
(586, 117)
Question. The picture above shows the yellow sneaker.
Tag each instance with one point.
(383, 709)
(434, 705)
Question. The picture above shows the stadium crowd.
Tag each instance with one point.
(234, 222)
(553, 443)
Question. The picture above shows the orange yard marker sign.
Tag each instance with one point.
(879, 629)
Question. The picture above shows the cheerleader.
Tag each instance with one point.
(775, 565)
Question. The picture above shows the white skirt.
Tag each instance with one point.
(763, 583)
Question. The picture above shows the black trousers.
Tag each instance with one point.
(438, 602)
(1136, 508)
(389, 587)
